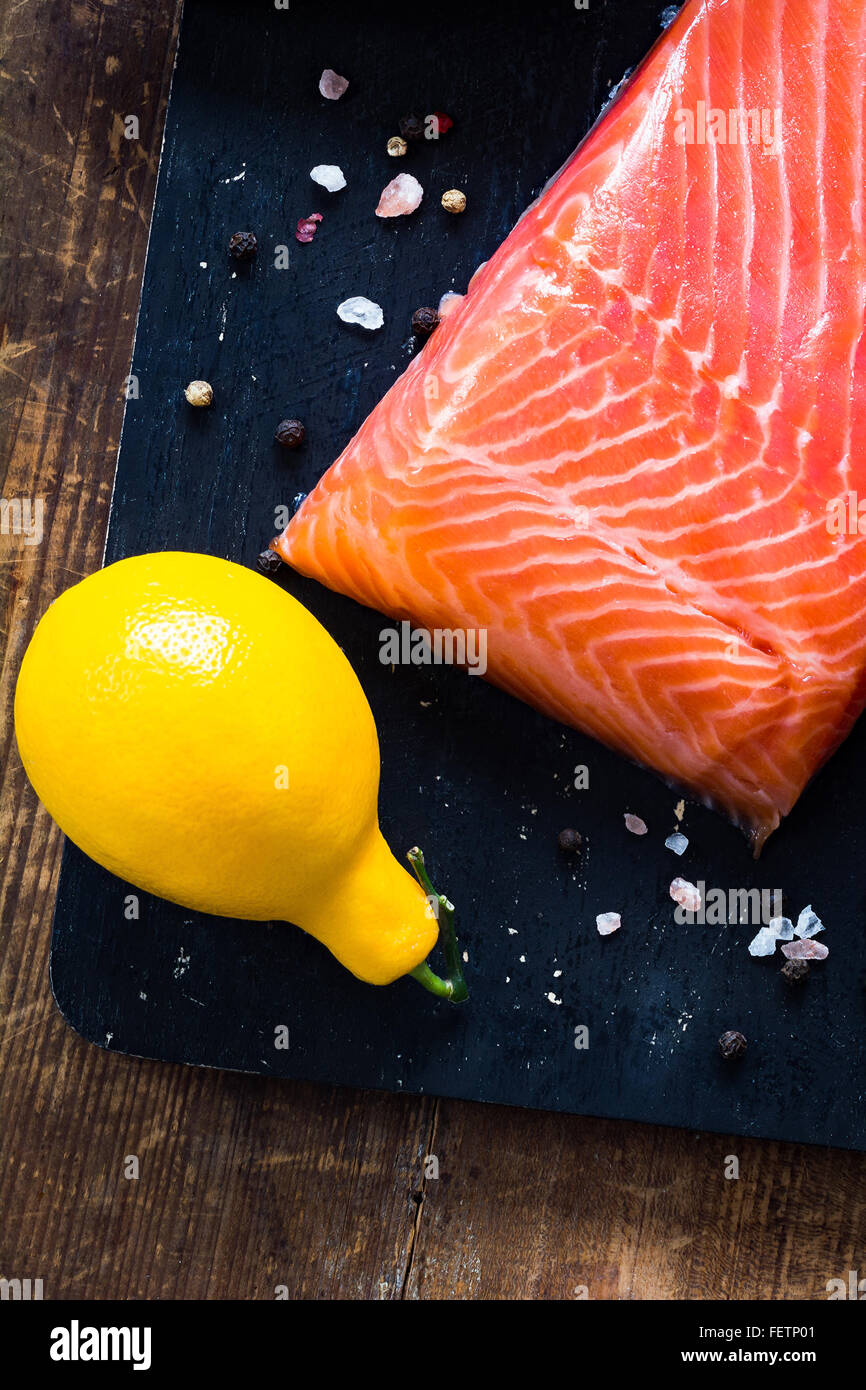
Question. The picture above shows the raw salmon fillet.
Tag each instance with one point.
(621, 452)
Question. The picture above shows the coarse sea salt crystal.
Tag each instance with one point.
(635, 825)
(307, 227)
(783, 927)
(449, 302)
(361, 311)
(805, 950)
(677, 842)
(332, 85)
(686, 894)
(328, 176)
(608, 922)
(399, 197)
(764, 944)
(808, 923)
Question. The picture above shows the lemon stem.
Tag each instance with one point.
(453, 986)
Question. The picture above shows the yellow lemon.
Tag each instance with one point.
(195, 730)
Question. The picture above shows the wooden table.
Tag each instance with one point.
(247, 1184)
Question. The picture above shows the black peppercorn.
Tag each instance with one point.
(570, 841)
(411, 127)
(290, 433)
(795, 971)
(732, 1044)
(269, 562)
(424, 321)
(243, 246)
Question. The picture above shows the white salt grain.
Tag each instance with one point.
(764, 943)
(332, 85)
(328, 176)
(783, 927)
(361, 311)
(635, 825)
(686, 894)
(400, 197)
(677, 842)
(808, 923)
(608, 922)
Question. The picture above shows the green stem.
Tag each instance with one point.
(453, 986)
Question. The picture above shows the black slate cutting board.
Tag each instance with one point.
(480, 781)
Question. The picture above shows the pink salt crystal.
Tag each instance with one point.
(332, 85)
(635, 825)
(686, 894)
(401, 196)
(608, 923)
(308, 226)
(805, 950)
(448, 303)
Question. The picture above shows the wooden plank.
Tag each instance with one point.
(246, 1183)
(531, 1206)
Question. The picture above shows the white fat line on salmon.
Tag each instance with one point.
(730, 906)
(441, 647)
(713, 126)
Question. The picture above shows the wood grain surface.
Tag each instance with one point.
(246, 1185)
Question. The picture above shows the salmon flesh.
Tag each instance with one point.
(634, 453)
